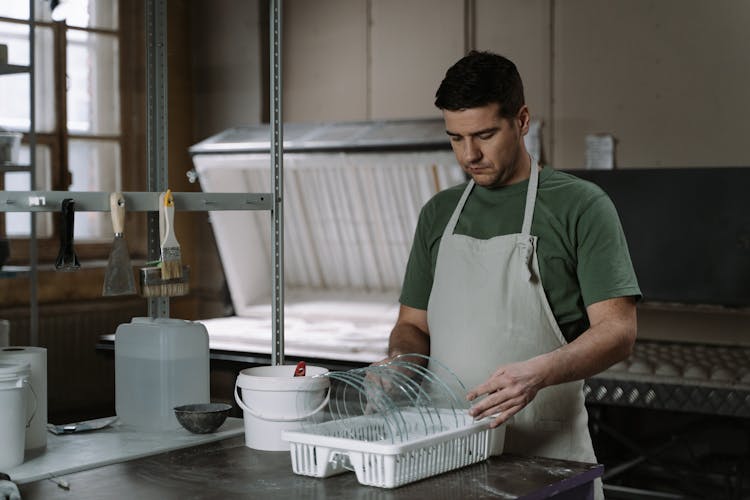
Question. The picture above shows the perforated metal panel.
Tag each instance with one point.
(681, 377)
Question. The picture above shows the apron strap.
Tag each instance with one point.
(528, 214)
(459, 208)
(526, 243)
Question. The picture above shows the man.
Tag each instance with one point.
(520, 280)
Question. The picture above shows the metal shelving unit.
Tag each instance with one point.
(49, 201)
(14, 271)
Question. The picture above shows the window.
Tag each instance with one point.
(78, 102)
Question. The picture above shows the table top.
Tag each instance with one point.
(227, 469)
(69, 453)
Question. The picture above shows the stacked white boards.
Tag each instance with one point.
(352, 195)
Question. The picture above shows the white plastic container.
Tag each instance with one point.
(159, 364)
(274, 400)
(13, 394)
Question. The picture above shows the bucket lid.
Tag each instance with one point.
(281, 378)
(10, 370)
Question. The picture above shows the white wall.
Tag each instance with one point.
(226, 60)
(325, 60)
(412, 44)
(667, 78)
(360, 59)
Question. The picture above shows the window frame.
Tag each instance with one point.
(131, 47)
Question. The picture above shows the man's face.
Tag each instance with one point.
(488, 147)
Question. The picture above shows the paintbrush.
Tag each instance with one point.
(171, 257)
(153, 285)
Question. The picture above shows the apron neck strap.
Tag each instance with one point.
(528, 213)
(459, 208)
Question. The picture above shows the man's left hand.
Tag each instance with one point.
(508, 391)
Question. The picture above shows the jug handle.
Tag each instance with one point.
(36, 402)
(254, 413)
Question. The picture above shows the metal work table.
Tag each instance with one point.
(228, 469)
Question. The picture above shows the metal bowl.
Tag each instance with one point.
(202, 418)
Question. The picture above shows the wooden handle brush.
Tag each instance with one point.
(171, 257)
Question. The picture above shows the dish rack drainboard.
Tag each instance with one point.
(327, 449)
(391, 424)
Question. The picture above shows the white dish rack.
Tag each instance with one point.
(363, 444)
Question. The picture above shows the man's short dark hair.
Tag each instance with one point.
(479, 79)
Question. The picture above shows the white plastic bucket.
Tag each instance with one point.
(274, 400)
(13, 419)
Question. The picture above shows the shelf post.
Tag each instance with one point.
(158, 178)
(277, 180)
(33, 248)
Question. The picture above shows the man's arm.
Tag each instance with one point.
(411, 333)
(609, 339)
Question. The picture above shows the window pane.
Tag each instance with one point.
(14, 89)
(18, 224)
(16, 37)
(19, 9)
(95, 166)
(93, 83)
(91, 14)
(16, 10)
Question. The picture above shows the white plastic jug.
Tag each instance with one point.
(14, 379)
(160, 363)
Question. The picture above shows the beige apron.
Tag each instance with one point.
(487, 308)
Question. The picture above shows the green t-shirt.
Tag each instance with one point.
(582, 252)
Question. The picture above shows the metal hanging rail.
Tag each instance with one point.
(95, 201)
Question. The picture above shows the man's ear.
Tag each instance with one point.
(524, 119)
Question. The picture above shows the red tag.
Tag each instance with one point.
(299, 370)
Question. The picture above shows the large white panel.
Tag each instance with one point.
(520, 30)
(349, 219)
(324, 60)
(668, 78)
(413, 42)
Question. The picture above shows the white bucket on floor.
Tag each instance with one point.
(13, 380)
(274, 400)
